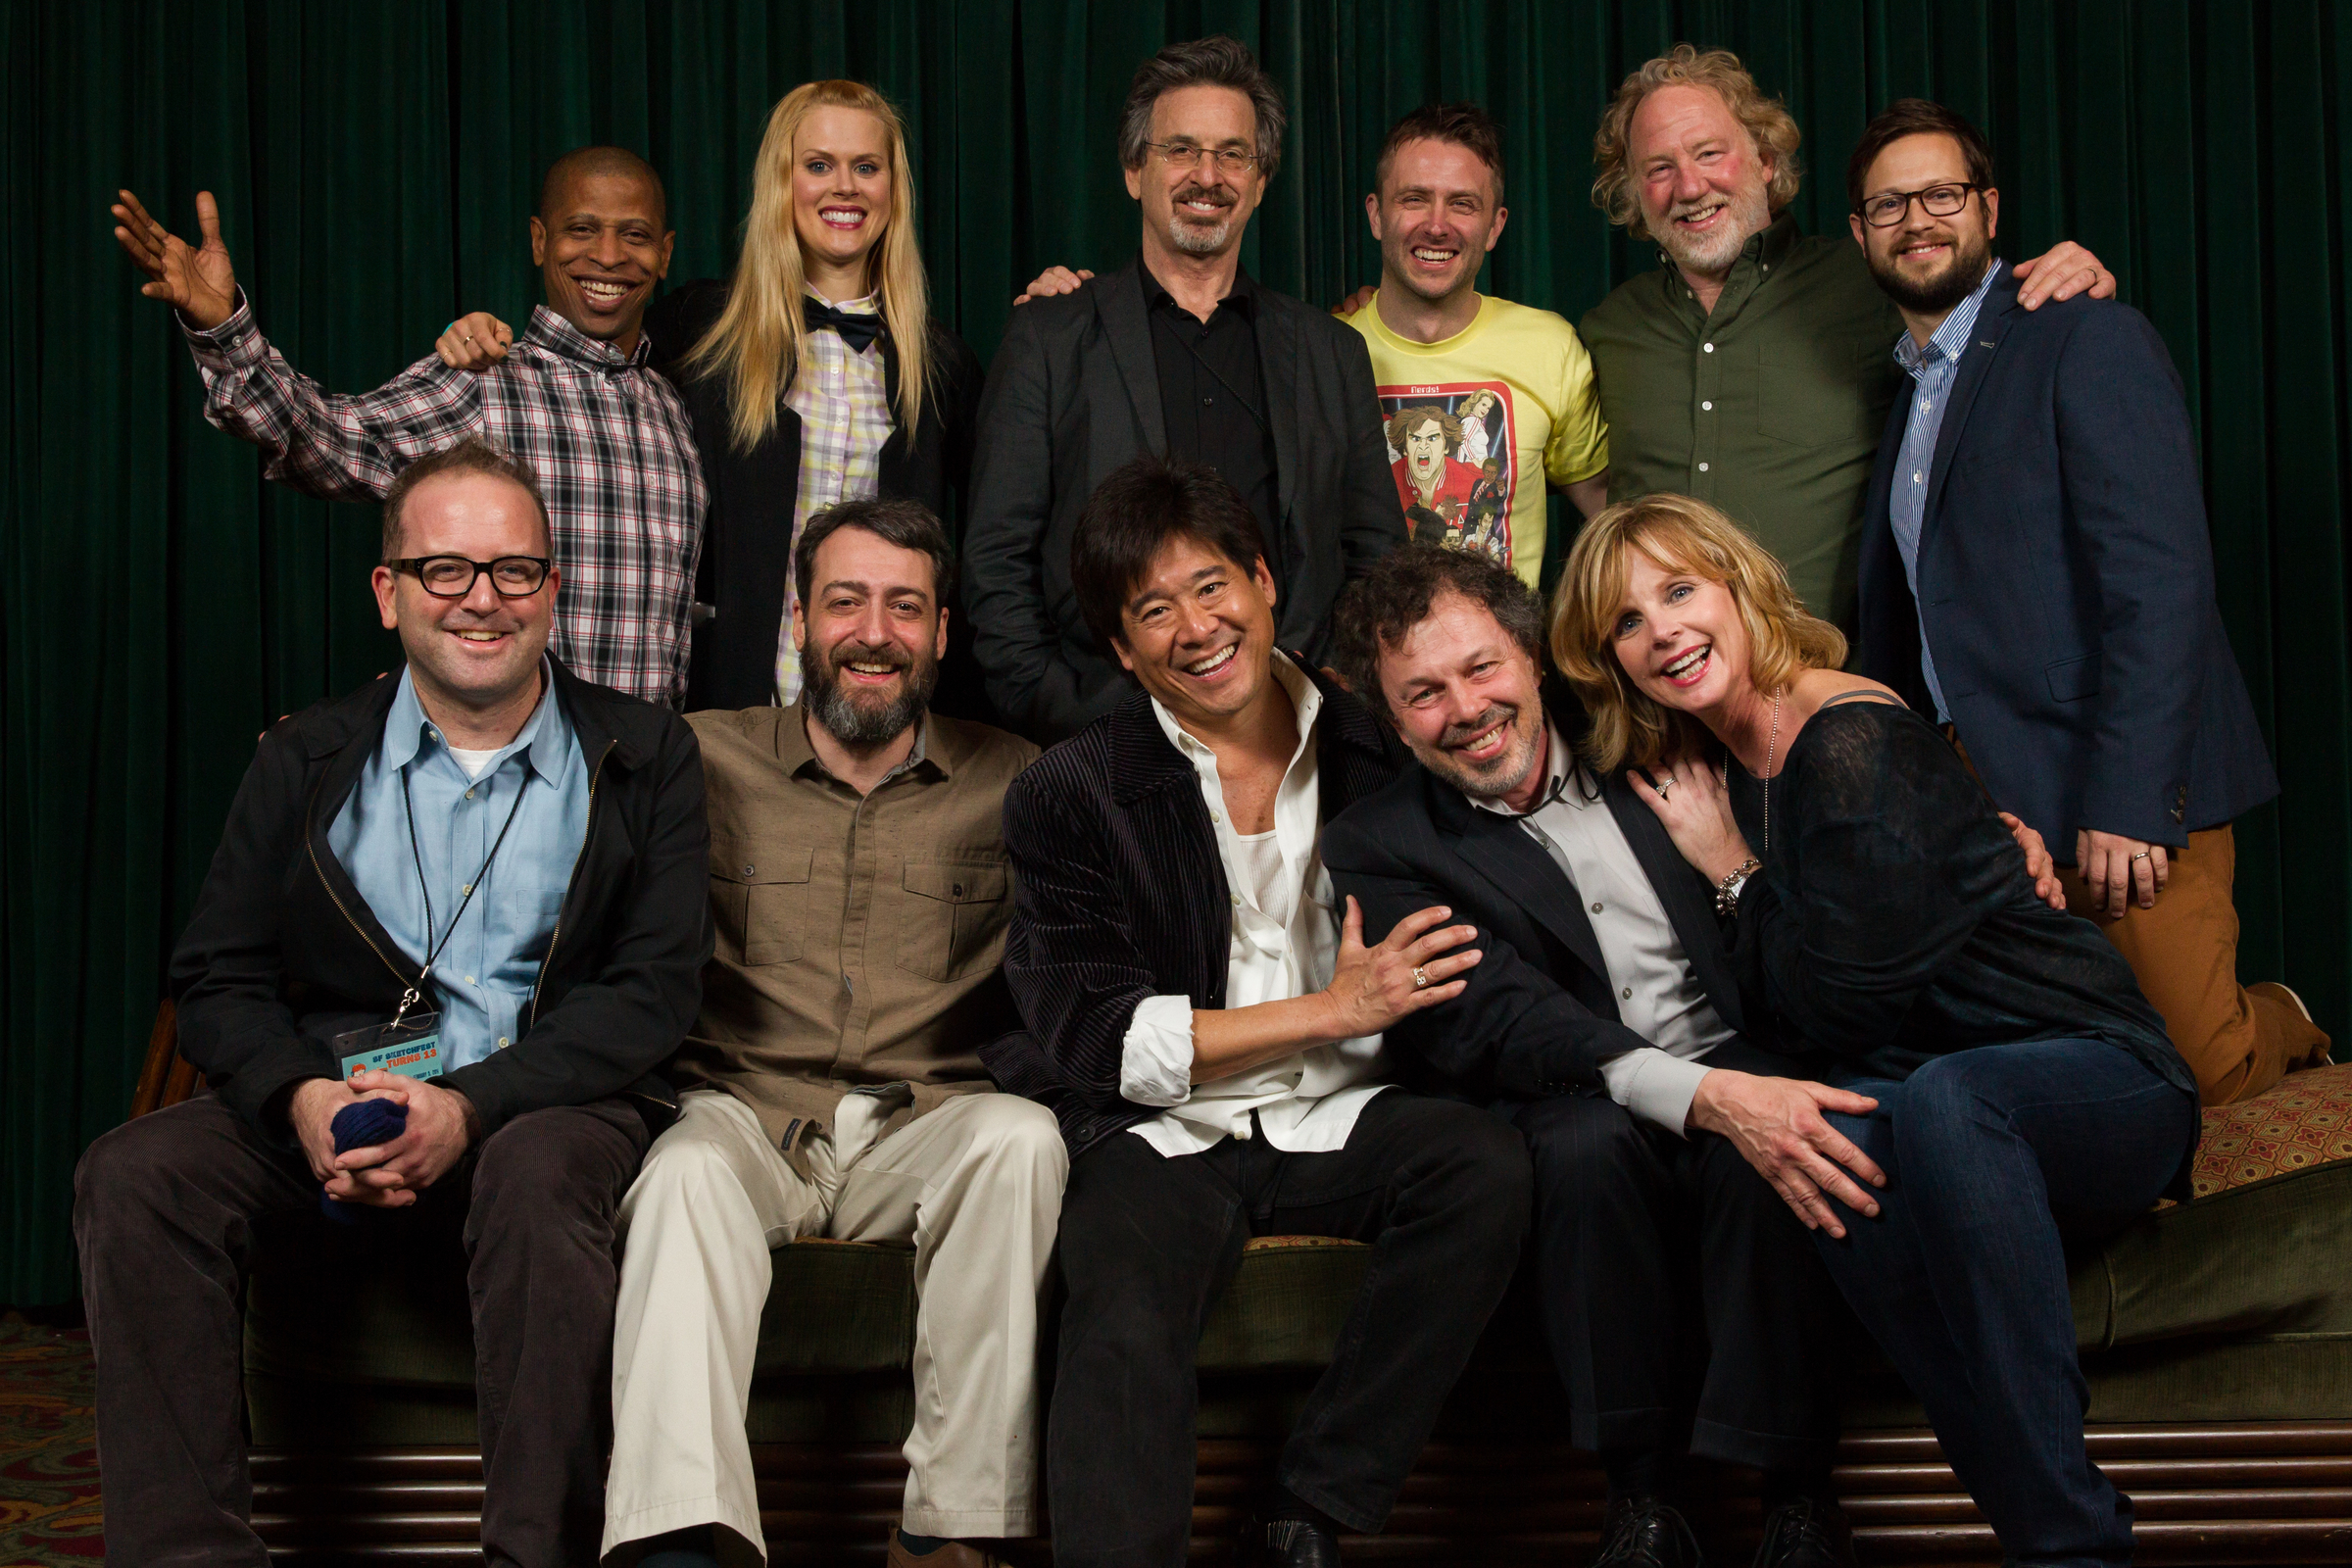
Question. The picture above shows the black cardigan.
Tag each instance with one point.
(1119, 894)
(746, 570)
(283, 954)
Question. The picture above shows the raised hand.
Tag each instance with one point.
(475, 342)
(1690, 802)
(1371, 988)
(199, 283)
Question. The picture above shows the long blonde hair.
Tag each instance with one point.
(760, 341)
(1680, 534)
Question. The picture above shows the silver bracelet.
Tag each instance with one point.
(1727, 891)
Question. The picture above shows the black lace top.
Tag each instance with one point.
(1894, 920)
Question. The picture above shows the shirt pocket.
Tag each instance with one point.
(955, 914)
(760, 898)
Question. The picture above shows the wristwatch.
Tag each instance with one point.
(1727, 891)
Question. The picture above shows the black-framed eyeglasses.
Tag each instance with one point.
(1937, 201)
(1184, 155)
(453, 576)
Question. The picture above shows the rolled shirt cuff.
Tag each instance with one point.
(1155, 1060)
(232, 345)
(1655, 1085)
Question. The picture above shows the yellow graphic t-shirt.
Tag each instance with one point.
(1480, 423)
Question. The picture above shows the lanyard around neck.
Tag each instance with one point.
(425, 886)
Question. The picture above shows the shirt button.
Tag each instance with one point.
(1915, 478)
(1209, 403)
(1596, 908)
(470, 979)
(1709, 347)
(502, 1041)
(1217, 816)
(1628, 992)
(1702, 468)
(751, 870)
(956, 890)
(470, 795)
(1710, 407)
(1237, 901)
(1925, 405)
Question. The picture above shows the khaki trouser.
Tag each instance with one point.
(2184, 955)
(975, 1185)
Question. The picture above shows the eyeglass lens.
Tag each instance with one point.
(451, 576)
(1937, 201)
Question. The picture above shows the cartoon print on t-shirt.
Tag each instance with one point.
(1450, 447)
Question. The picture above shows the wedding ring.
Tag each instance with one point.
(1420, 978)
(1663, 788)
(2141, 855)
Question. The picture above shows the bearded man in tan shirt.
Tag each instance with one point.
(860, 889)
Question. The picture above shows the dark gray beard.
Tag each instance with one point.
(855, 723)
(1503, 775)
(1938, 295)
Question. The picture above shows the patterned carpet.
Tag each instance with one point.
(48, 1447)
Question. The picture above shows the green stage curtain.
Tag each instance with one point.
(375, 160)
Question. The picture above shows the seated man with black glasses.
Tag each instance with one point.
(455, 921)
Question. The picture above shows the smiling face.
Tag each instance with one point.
(1200, 210)
(840, 190)
(1436, 218)
(480, 650)
(1198, 631)
(1680, 637)
(870, 636)
(1701, 177)
(1928, 264)
(1466, 698)
(599, 248)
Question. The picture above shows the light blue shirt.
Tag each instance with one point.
(485, 974)
(1934, 369)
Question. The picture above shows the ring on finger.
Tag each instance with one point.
(1420, 978)
(2141, 855)
(1663, 788)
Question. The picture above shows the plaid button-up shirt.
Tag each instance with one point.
(842, 399)
(607, 438)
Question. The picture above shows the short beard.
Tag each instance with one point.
(1191, 241)
(1935, 295)
(1495, 779)
(856, 724)
(1750, 214)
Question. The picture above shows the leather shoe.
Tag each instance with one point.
(1806, 1534)
(1645, 1532)
(1296, 1543)
(954, 1554)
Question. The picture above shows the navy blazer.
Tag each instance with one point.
(1537, 1016)
(1119, 894)
(2066, 583)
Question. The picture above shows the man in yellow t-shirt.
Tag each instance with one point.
(1488, 404)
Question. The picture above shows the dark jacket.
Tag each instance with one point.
(2067, 580)
(1073, 394)
(282, 955)
(1119, 894)
(746, 574)
(1537, 1016)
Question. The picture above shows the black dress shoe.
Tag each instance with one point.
(1296, 1543)
(1806, 1534)
(1645, 1532)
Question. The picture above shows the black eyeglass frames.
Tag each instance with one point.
(453, 576)
(1937, 201)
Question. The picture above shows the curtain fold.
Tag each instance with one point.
(377, 163)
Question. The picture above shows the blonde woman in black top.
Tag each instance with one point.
(1884, 921)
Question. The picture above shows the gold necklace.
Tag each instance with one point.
(1772, 748)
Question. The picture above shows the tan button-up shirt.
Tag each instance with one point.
(860, 937)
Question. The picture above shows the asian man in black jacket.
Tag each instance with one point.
(511, 866)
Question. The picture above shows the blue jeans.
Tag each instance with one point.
(1994, 1157)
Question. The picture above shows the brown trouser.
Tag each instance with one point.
(2184, 953)
(165, 1209)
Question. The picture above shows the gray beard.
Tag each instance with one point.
(1193, 241)
(1750, 214)
(855, 723)
(1484, 785)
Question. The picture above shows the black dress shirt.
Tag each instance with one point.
(1213, 395)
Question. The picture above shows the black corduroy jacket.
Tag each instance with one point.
(1119, 894)
(283, 954)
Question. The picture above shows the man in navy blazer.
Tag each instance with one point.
(2037, 576)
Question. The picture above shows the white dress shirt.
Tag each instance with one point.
(1284, 942)
(1658, 996)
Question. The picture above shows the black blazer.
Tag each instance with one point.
(283, 954)
(746, 572)
(1537, 1016)
(1073, 394)
(2067, 579)
(1119, 894)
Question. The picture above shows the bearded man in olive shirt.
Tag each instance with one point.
(861, 888)
(1753, 368)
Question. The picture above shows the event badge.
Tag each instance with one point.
(409, 1045)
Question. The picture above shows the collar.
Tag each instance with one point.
(1390, 340)
(1765, 250)
(556, 335)
(544, 736)
(1561, 780)
(799, 759)
(1951, 339)
(1242, 297)
(1305, 700)
(867, 303)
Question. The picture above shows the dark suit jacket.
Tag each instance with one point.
(1537, 1016)
(1073, 394)
(746, 571)
(2066, 580)
(1119, 894)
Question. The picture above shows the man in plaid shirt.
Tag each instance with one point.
(607, 438)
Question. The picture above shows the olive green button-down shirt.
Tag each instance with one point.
(860, 937)
(1771, 407)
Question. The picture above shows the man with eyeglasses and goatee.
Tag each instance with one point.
(1179, 355)
(456, 921)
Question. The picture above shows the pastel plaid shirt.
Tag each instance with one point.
(608, 436)
(842, 399)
